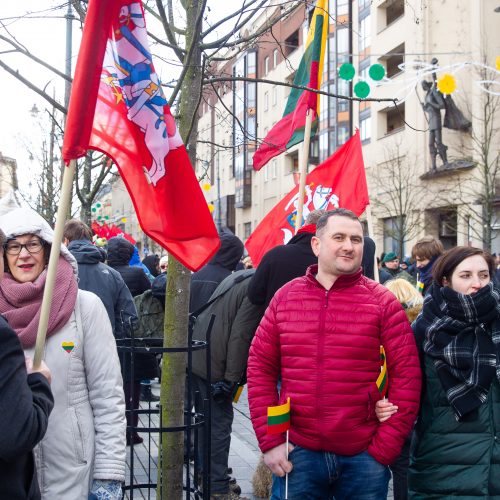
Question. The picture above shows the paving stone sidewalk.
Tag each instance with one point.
(243, 456)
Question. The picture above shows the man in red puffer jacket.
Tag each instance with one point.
(321, 334)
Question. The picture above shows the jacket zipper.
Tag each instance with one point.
(321, 350)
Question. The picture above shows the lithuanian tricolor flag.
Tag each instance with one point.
(290, 129)
(382, 380)
(278, 418)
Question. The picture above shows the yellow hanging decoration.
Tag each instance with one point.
(211, 207)
(447, 84)
(124, 219)
(206, 186)
(497, 63)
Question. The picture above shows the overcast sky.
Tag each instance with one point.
(39, 25)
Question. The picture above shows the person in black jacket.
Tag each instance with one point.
(120, 252)
(25, 404)
(236, 320)
(145, 366)
(96, 277)
(283, 263)
(223, 263)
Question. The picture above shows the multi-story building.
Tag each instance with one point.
(8, 175)
(456, 203)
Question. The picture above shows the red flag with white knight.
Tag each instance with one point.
(117, 107)
(339, 182)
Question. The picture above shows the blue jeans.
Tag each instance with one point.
(322, 475)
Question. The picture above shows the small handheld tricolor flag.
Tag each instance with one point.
(237, 393)
(420, 286)
(278, 418)
(382, 380)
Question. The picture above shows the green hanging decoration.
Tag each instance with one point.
(94, 209)
(362, 90)
(98, 205)
(347, 71)
(376, 72)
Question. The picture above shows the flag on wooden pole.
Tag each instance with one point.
(290, 129)
(117, 107)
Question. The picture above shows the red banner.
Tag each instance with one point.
(339, 182)
(117, 106)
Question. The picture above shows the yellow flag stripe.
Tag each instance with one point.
(275, 411)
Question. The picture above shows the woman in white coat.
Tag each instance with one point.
(83, 452)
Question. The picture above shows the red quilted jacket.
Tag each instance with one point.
(325, 344)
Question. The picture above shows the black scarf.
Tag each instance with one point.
(462, 336)
(425, 272)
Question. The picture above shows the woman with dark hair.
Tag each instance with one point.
(457, 450)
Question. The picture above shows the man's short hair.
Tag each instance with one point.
(313, 217)
(339, 212)
(427, 248)
(75, 229)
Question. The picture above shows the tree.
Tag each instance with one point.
(479, 192)
(398, 195)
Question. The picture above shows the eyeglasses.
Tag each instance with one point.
(15, 248)
(163, 267)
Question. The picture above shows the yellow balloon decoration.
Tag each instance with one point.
(124, 219)
(206, 186)
(498, 63)
(211, 207)
(447, 84)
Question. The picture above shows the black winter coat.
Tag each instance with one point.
(106, 283)
(223, 263)
(119, 253)
(236, 320)
(279, 266)
(25, 404)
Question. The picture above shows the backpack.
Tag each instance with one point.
(150, 312)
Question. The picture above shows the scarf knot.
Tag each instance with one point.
(20, 303)
(462, 337)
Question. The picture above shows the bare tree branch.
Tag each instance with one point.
(33, 87)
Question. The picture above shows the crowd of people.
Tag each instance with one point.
(307, 326)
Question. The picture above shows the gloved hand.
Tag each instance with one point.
(223, 389)
(103, 489)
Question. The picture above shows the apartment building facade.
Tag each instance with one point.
(408, 199)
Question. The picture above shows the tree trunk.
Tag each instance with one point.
(177, 298)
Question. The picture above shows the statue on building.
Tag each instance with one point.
(454, 119)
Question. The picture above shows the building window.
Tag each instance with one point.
(292, 43)
(247, 229)
(342, 7)
(495, 232)
(275, 58)
(275, 95)
(266, 101)
(365, 127)
(342, 133)
(393, 59)
(393, 236)
(273, 169)
(364, 33)
(395, 119)
(447, 220)
(266, 65)
(394, 11)
(293, 162)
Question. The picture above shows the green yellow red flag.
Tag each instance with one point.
(278, 418)
(382, 379)
(290, 129)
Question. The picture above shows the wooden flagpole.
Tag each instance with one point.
(369, 221)
(62, 210)
(303, 170)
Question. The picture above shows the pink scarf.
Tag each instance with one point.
(20, 303)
